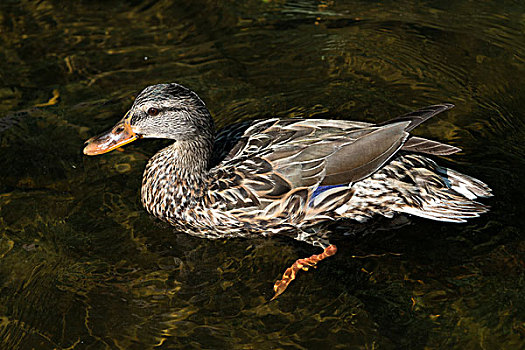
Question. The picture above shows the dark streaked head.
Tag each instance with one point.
(168, 111)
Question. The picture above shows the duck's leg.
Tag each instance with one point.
(301, 264)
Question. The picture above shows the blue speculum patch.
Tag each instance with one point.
(321, 189)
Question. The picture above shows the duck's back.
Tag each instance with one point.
(302, 171)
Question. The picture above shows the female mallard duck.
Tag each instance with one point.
(286, 176)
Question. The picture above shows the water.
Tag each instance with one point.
(82, 266)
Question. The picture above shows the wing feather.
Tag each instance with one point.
(287, 159)
(421, 145)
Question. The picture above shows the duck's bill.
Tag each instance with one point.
(120, 135)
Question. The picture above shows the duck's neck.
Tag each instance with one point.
(175, 177)
(190, 157)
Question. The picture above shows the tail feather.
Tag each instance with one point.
(413, 184)
(454, 210)
(465, 185)
(450, 199)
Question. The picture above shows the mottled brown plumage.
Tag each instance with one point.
(287, 176)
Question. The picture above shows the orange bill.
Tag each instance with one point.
(120, 135)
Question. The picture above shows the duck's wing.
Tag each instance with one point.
(226, 139)
(418, 117)
(419, 144)
(275, 157)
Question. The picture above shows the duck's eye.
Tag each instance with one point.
(153, 111)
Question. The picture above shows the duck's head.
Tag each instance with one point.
(168, 111)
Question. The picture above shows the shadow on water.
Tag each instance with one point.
(83, 266)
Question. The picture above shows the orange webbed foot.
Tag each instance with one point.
(301, 264)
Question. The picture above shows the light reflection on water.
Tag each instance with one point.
(83, 266)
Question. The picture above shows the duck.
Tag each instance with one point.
(287, 176)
